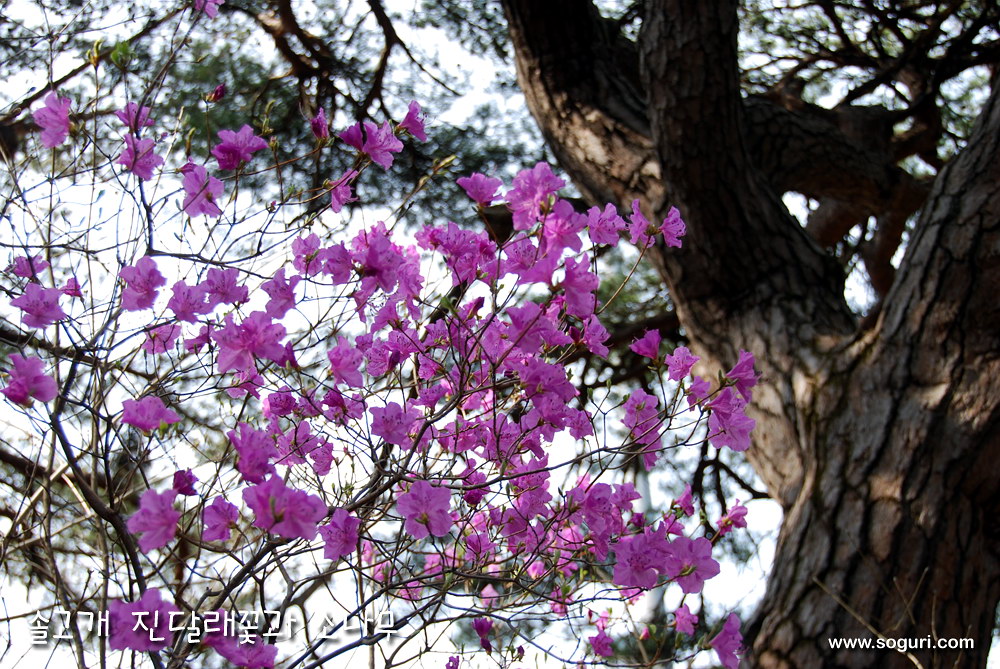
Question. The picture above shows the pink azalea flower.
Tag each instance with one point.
(187, 302)
(594, 336)
(673, 228)
(183, 482)
(340, 191)
(40, 306)
(134, 117)
(256, 449)
(237, 147)
(284, 511)
(353, 136)
(156, 519)
(147, 414)
(425, 508)
(413, 123)
(680, 362)
(320, 128)
(728, 642)
(734, 518)
(684, 620)
(744, 376)
(604, 226)
(690, 563)
(200, 191)
(222, 287)
(638, 559)
(246, 651)
(340, 535)
(453, 662)
(143, 625)
(138, 158)
(28, 381)
(601, 643)
(241, 345)
(71, 288)
(480, 188)
(393, 424)
(640, 229)
(531, 192)
(220, 517)
(27, 268)
(482, 627)
(685, 502)
(345, 364)
(161, 339)
(578, 287)
(281, 292)
(381, 143)
(142, 282)
(728, 424)
(648, 345)
(53, 119)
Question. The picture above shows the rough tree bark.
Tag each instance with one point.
(880, 442)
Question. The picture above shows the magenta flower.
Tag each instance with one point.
(147, 414)
(28, 381)
(138, 158)
(425, 508)
(684, 620)
(648, 345)
(240, 345)
(480, 188)
(340, 535)
(318, 125)
(744, 376)
(604, 226)
(345, 364)
(156, 519)
(220, 518)
(143, 625)
(673, 228)
(284, 511)
(134, 117)
(601, 643)
(256, 449)
(40, 306)
(728, 424)
(222, 287)
(413, 123)
(219, 91)
(380, 144)
(532, 190)
(578, 287)
(640, 558)
(281, 292)
(142, 282)
(353, 136)
(242, 650)
(27, 268)
(640, 229)
(482, 627)
(187, 302)
(393, 424)
(685, 502)
(161, 339)
(728, 642)
(71, 288)
(200, 191)
(183, 482)
(690, 563)
(735, 517)
(237, 147)
(680, 362)
(53, 119)
(340, 192)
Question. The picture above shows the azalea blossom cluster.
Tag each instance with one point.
(454, 421)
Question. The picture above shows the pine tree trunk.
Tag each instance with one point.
(882, 443)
